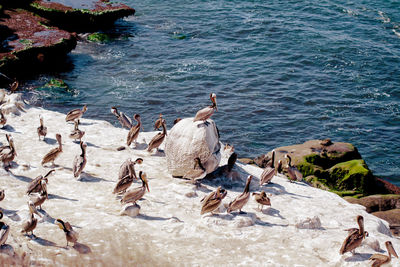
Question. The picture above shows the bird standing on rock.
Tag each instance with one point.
(269, 171)
(134, 131)
(262, 199)
(8, 153)
(380, 259)
(76, 133)
(36, 184)
(293, 172)
(133, 195)
(205, 113)
(126, 181)
(80, 161)
(355, 238)
(122, 118)
(31, 223)
(70, 234)
(54, 153)
(241, 200)
(124, 169)
(213, 200)
(158, 122)
(75, 114)
(158, 139)
(41, 130)
(3, 119)
(4, 230)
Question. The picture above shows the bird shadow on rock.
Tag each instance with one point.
(262, 223)
(358, 257)
(22, 178)
(224, 216)
(46, 217)
(9, 128)
(273, 212)
(50, 141)
(140, 146)
(85, 123)
(151, 218)
(82, 248)
(7, 249)
(87, 143)
(44, 242)
(12, 214)
(277, 189)
(89, 178)
(158, 154)
(54, 196)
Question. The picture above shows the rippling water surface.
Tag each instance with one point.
(284, 72)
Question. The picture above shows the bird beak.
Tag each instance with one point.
(147, 186)
(392, 251)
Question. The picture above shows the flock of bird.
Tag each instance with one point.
(37, 189)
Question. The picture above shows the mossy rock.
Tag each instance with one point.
(57, 83)
(99, 37)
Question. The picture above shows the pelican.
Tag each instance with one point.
(293, 172)
(2, 194)
(31, 223)
(122, 118)
(4, 230)
(54, 153)
(198, 172)
(177, 120)
(134, 131)
(124, 169)
(380, 259)
(261, 198)
(355, 237)
(126, 181)
(41, 130)
(3, 119)
(242, 199)
(279, 167)
(79, 161)
(133, 195)
(6, 147)
(213, 200)
(268, 172)
(36, 184)
(76, 133)
(70, 234)
(206, 113)
(158, 122)
(14, 86)
(39, 198)
(8, 153)
(75, 113)
(158, 139)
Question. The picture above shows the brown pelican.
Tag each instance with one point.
(262, 199)
(79, 161)
(2, 194)
(177, 120)
(8, 153)
(293, 172)
(206, 113)
(158, 122)
(158, 139)
(133, 195)
(122, 118)
(6, 147)
(70, 234)
(41, 130)
(76, 133)
(124, 169)
(31, 223)
(198, 171)
(75, 114)
(14, 86)
(134, 131)
(4, 230)
(54, 153)
(39, 198)
(269, 171)
(3, 119)
(126, 181)
(279, 167)
(36, 184)
(380, 259)
(242, 199)
(213, 200)
(354, 239)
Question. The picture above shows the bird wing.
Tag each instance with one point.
(68, 226)
(239, 201)
(73, 114)
(210, 205)
(51, 155)
(133, 195)
(352, 241)
(132, 135)
(125, 121)
(78, 165)
(204, 114)
(267, 175)
(123, 184)
(33, 184)
(379, 259)
(156, 141)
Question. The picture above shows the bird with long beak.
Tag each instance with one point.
(41, 130)
(122, 118)
(79, 161)
(3, 119)
(36, 184)
(124, 169)
(53, 153)
(4, 230)
(293, 172)
(355, 237)
(198, 171)
(39, 198)
(262, 199)
(241, 200)
(30, 224)
(8, 153)
(76, 133)
(205, 113)
(8, 136)
(14, 86)
(133, 195)
(134, 131)
(380, 259)
(70, 234)
(75, 114)
(269, 171)
(126, 181)
(158, 138)
(158, 122)
(213, 200)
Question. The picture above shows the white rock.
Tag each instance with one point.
(309, 223)
(130, 210)
(188, 140)
(3, 93)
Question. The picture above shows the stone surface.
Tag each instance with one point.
(188, 140)
(376, 203)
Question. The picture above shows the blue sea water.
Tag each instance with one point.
(284, 72)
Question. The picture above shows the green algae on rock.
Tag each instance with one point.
(57, 83)
(99, 37)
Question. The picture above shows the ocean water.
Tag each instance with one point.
(284, 72)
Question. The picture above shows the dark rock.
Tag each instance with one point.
(81, 15)
(392, 217)
(376, 203)
(246, 161)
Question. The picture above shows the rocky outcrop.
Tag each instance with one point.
(376, 203)
(81, 15)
